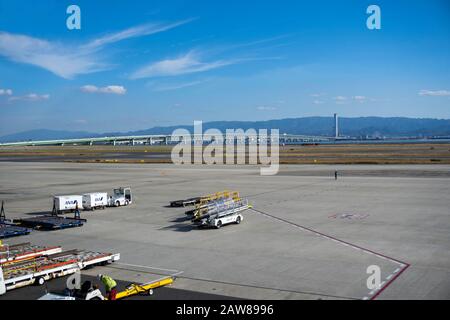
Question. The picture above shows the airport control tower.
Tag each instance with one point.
(336, 126)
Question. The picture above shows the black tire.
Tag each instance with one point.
(127, 202)
(219, 224)
(117, 203)
(238, 220)
(40, 281)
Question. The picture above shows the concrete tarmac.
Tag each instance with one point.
(308, 237)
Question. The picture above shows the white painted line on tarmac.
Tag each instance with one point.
(147, 267)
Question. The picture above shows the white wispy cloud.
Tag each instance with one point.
(31, 97)
(255, 43)
(434, 93)
(340, 99)
(55, 57)
(266, 108)
(188, 63)
(6, 92)
(176, 86)
(134, 32)
(120, 90)
(69, 60)
(360, 99)
(320, 99)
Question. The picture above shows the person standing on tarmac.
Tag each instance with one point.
(110, 286)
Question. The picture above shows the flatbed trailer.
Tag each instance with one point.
(24, 251)
(8, 230)
(37, 270)
(51, 222)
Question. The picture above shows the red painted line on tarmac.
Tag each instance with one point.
(404, 264)
(389, 282)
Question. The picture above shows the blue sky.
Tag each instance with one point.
(139, 64)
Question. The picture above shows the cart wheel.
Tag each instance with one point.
(219, 224)
(150, 292)
(118, 204)
(126, 202)
(238, 220)
(40, 281)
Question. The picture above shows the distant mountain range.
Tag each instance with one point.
(317, 126)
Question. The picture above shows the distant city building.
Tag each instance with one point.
(336, 126)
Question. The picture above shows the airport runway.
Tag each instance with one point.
(370, 153)
(309, 237)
